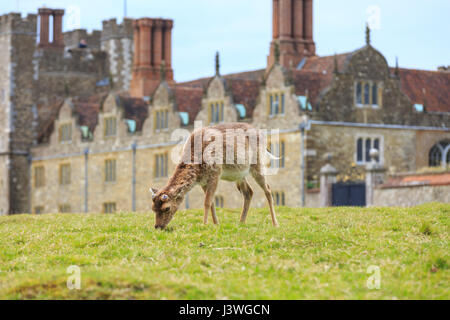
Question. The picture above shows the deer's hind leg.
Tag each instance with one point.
(247, 192)
(261, 181)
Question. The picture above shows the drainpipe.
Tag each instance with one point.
(86, 180)
(304, 125)
(133, 181)
(29, 159)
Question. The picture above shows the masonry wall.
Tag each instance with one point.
(411, 196)
(117, 42)
(398, 149)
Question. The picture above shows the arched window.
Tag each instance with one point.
(439, 154)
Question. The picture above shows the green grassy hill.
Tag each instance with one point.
(315, 254)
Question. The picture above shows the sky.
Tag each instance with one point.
(416, 31)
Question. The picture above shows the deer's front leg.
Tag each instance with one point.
(210, 190)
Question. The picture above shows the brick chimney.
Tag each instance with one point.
(152, 45)
(293, 31)
(58, 39)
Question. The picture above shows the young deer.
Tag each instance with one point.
(239, 158)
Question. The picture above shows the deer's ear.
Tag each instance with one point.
(153, 192)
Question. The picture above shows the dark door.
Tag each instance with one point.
(349, 194)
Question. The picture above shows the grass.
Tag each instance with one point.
(315, 254)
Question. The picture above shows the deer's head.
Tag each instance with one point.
(164, 206)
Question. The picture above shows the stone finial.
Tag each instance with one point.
(163, 71)
(336, 68)
(374, 153)
(367, 34)
(397, 71)
(217, 63)
(277, 52)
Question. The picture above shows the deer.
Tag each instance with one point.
(242, 158)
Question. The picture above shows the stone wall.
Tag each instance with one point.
(73, 38)
(398, 148)
(411, 195)
(117, 42)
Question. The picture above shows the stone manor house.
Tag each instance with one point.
(86, 118)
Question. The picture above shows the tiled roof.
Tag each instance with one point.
(188, 99)
(429, 88)
(87, 109)
(439, 179)
(135, 109)
(245, 92)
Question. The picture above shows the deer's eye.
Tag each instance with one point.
(165, 210)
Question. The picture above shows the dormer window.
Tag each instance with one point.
(65, 133)
(276, 102)
(161, 120)
(110, 127)
(216, 112)
(368, 94)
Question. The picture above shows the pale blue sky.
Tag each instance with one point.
(416, 31)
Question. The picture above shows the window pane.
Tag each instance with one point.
(359, 150)
(366, 93)
(368, 147)
(375, 94)
(435, 156)
(359, 93)
(282, 103)
(282, 154)
(277, 102)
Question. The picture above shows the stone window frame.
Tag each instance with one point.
(156, 114)
(64, 208)
(109, 207)
(39, 176)
(108, 130)
(270, 103)
(65, 178)
(379, 96)
(441, 149)
(280, 153)
(219, 201)
(110, 171)
(213, 107)
(365, 152)
(65, 133)
(279, 198)
(161, 172)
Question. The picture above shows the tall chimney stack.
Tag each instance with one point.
(152, 45)
(293, 31)
(58, 39)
